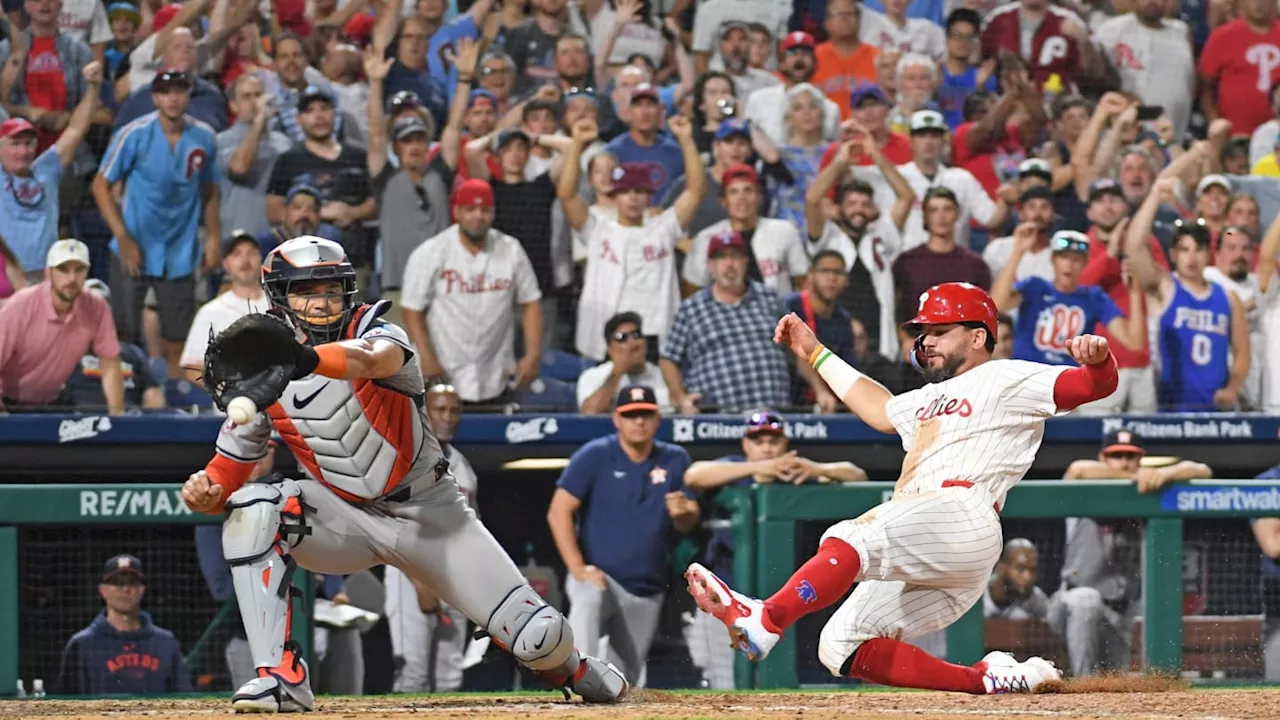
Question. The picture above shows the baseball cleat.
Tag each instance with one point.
(270, 693)
(599, 682)
(742, 615)
(1004, 674)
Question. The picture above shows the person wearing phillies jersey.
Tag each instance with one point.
(989, 143)
(907, 34)
(48, 84)
(1238, 66)
(1107, 209)
(1050, 39)
(1153, 56)
(462, 290)
(775, 255)
(1202, 327)
(923, 558)
(1050, 314)
(870, 114)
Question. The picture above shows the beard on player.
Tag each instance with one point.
(951, 364)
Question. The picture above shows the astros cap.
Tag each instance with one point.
(765, 421)
(122, 565)
(1123, 441)
(636, 398)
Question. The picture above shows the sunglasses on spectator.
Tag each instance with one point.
(169, 81)
(1063, 243)
(580, 91)
(495, 71)
(402, 100)
(764, 422)
(629, 335)
(1196, 228)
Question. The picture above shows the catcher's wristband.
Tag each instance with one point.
(838, 374)
(333, 360)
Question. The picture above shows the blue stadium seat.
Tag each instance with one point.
(547, 394)
(159, 368)
(560, 365)
(184, 394)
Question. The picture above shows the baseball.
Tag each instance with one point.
(241, 410)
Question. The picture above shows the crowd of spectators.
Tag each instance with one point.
(517, 178)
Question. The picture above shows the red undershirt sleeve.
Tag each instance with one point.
(1080, 385)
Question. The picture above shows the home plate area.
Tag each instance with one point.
(1171, 701)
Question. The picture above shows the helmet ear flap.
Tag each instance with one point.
(917, 355)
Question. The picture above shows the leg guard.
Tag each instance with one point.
(540, 638)
(263, 521)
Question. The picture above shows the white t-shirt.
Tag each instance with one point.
(773, 14)
(974, 202)
(85, 20)
(1249, 295)
(636, 38)
(629, 269)
(1033, 264)
(918, 35)
(1269, 324)
(983, 426)
(594, 378)
(470, 301)
(217, 315)
(144, 63)
(779, 254)
(1156, 65)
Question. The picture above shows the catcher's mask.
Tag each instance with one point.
(304, 259)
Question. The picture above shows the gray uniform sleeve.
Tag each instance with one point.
(244, 443)
(408, 379)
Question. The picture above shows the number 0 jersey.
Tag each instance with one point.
(1195, 338)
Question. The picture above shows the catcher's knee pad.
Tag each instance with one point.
(263, 521)
(536, 633)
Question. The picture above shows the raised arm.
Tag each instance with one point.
(905, 196)
(386, 25)
(376, 68)
(1131, 331)
(1228, 396)
(473, 153)
(1002, 292)
(71, 137)
(626, 12)
(695, 176)
(684, 61)
(468, 60)
(815, 216)
(1109, 106)
(864, 396)
(575, 208)
(1137, 245)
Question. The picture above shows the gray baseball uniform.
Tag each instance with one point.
(1095, 607)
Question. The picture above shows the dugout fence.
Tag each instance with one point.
(1200, 608)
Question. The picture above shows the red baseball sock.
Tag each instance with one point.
(886, 661)
(824, 579)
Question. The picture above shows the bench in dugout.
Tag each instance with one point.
(1211, 643)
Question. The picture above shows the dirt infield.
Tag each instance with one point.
(851, 705)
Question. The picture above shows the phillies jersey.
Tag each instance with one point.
(1052, 52)
(361, 438)
(983, 426)
(1048, 318)
(1195, 339)
(1243, 64)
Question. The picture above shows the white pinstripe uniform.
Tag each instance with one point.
(930, 550)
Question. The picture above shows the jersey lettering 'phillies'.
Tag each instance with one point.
(1195, 340)
(983, 426)
(1048, 318)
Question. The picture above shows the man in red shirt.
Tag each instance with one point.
(1060, 44)
(1238, 66)
(988, 144)
(870, 107)
(1107, 213)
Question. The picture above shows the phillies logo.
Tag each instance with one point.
(607, 253)
(1267, 58)
(1056, 325)
(942, 405)
(1053, 48)
(195, 160)
(1127, 59)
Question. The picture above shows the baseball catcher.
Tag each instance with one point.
(343, 390)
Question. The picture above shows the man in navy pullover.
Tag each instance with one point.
(122, 652)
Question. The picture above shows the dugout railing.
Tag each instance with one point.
(765, 520)
(96, 506)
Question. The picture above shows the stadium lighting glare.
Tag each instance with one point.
(536, 464)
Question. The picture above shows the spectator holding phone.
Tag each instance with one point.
(1154, 59)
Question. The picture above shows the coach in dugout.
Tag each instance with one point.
(627, 490)
(1101, 574)
(766, 458)
(122, 652)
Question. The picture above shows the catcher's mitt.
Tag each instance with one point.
(255, 357)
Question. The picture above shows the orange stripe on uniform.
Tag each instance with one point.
(293, 438)
(390, 414)
(230, 474)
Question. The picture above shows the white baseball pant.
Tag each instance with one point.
(630, 622)
(926, 560)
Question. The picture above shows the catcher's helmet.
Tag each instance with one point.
(303, 259)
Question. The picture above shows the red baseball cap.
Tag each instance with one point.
(15, 126)
(632, 176)
(474, 192)
(739, 172)
(796, 39)
(359, 29)
(645, 90)
(163, 16)
(725, 241)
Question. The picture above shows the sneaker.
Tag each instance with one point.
(742, 615)
(1004, 674)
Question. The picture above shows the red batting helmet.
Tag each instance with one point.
(954, 302)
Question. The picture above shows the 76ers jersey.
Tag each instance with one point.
(362, 438)
(983, 426)
(1195, 338)
(1048, 318)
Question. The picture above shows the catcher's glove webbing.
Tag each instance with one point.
(256, 357)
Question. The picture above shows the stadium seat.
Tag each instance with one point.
(183, 394)
(547, 395)
(560, 365)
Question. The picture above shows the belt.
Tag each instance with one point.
(966, 484)
(441, 469)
